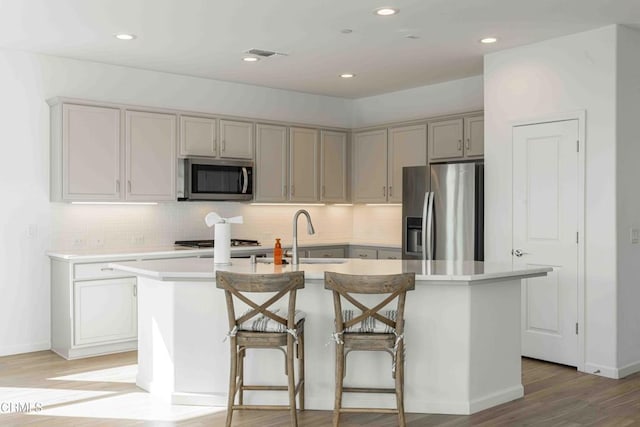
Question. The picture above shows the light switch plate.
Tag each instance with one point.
(635, 236)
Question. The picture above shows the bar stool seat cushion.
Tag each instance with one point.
(262, 323)
(369, 325)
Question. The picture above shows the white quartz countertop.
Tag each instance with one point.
(204, 269)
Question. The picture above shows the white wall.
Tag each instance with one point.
(628, 197)
(571, 73)
(456, 96)
(26, 81)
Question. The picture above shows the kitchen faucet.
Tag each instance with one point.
(310, 230)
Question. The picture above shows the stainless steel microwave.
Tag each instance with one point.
(213, 179)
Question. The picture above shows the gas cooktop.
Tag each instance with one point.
(211, 243)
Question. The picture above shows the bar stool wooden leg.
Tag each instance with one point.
(400, 384)
(233, 373)
(301, 370)
(291, 381)
(339, 383)
(241, 355)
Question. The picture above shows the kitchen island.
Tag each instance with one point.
(462, 335)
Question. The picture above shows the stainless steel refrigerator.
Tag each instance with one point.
(443, 212)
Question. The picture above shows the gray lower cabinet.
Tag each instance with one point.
(389, 254)
(94, 308)
(326, 253)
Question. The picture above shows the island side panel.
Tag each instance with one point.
(495, 360)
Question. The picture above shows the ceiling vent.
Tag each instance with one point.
(263, 53)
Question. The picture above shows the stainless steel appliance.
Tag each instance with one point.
(443, 212)
(213, 179)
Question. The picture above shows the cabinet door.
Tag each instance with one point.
(198, 136)
(445, 140)
(407, 147)
(151, 156)
(236, 139)
(333, 166)
(474, 137)
(105, 311)
(303, 165)
(370, 166)
(91, 153)
(271, 163)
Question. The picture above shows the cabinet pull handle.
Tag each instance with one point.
(459, 145)
(326, 255)
(117, 185)
(284, 190)
(129, 185)
(106, 269)
(224, 145)
(135, 290)
(384, 191)
(467, 146)
(390, 191)
(215, 145)
(363, 255)
(293, 190)
(323, 191)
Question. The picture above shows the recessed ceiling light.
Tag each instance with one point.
(346, 31)
(125, 36)
(250, 59)
(347, 75)
(488, 40)
(412, 37)
(386, 11)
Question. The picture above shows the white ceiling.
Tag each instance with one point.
(206, 38)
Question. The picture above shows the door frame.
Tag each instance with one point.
(580, 116)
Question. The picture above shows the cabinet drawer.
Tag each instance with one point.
(326, 253)
(364, 253)
(389, 254)
(97, 270)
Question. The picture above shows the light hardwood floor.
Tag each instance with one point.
(100, 392)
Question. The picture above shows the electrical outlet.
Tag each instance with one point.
(635, 236)
(32, 231)
(79, 242)
(98, 242)
(137, 239)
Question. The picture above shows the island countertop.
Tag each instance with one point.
(204, 269)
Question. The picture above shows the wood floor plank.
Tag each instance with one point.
(74, 395)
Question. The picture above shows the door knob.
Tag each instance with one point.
(519, 252)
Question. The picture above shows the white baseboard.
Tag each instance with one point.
(629, 369)
(24, 348)
(495, 399)
(612, 372)
(601, 370)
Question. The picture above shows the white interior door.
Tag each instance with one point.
(545, 233)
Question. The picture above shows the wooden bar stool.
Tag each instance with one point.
(370, 329)
(262, 327)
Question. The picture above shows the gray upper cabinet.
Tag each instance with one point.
(456, 139)
(198, 136)
(474, 136)
(333, 166)
(303, 164)
(445, 139)
(236, 139)
(407, 147)
(370, 166)
(85, 153)
(150, 143)
(271, 170)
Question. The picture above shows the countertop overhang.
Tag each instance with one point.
(204, 269)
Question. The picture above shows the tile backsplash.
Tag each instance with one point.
(127, 226)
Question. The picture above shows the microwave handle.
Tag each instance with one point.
(245, 180)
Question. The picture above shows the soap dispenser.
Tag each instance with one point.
(277, 253)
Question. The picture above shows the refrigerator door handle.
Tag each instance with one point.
(423, 234)
(428, 236)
